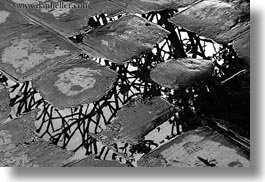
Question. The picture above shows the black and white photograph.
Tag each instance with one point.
(125, 83)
